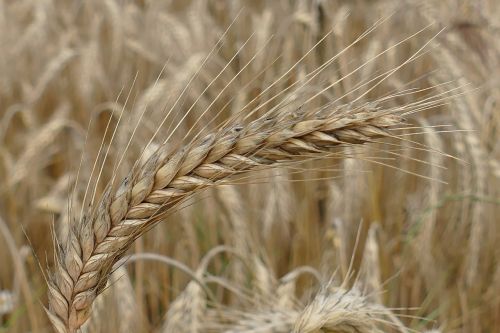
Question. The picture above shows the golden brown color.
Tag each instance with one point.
(348, 221)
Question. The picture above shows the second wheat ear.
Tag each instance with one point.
(169, 176)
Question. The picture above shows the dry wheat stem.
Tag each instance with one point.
(169, 176)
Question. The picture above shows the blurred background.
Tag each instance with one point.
(414, 230)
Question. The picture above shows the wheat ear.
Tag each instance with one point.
(153, 189)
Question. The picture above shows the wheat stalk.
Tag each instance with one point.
(169, 176)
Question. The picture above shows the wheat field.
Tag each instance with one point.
(250, 166)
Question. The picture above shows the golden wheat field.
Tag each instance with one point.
(249, 166)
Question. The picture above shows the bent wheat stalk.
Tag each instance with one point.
(99, 240)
